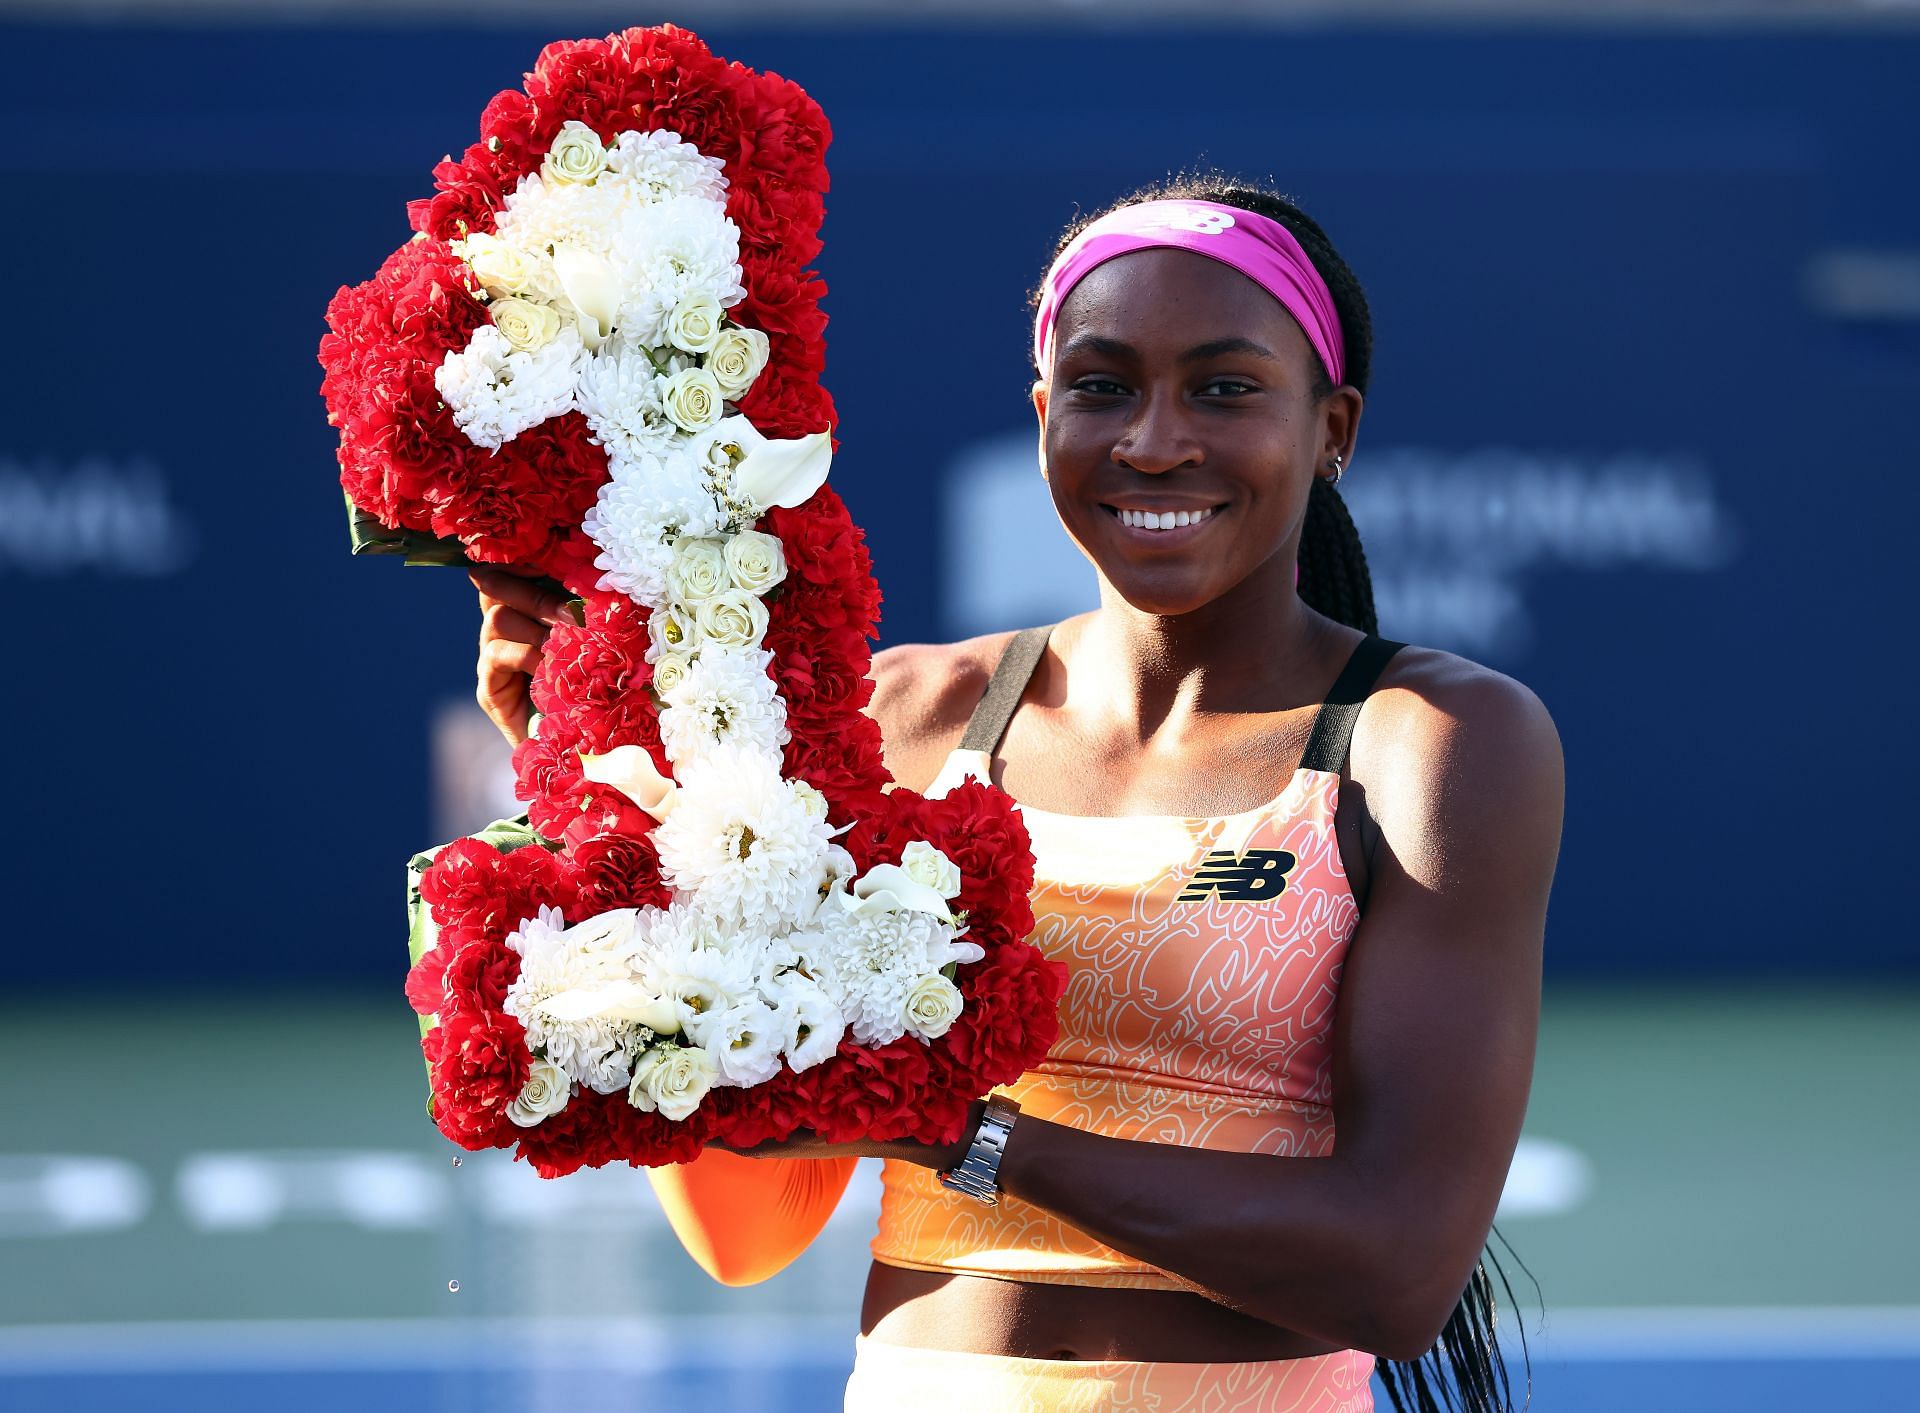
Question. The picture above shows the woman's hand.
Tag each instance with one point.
(804, 1143)
(515, 618)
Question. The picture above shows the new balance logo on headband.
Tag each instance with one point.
(1252, 877)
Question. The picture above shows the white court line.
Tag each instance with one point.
(640, 1345)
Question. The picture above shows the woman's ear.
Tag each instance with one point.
(1340, 425)
(1040, 411)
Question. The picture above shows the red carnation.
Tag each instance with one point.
(480, 1066)
(618, 871)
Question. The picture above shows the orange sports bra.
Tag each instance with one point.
(1205, 959)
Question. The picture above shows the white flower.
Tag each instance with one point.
(691, 399)
(815, 802)
(501, 267)
(637, 515)
(887, 888)
(932, 1007)
(496, 392)
(742, 841)
(527, 325)
(591, 1044)
(669, 671)
(699, 569)
(870, 963)
(736, 359)
(725, 698)
(546, 1092)
(694, 325)
(671, 628)
(784, 472)
(660, 166)
(673, 1079)
(755, 561)
(576, 155)
(811, 1025)
(631, 771)
(620, 398)
(733, 618)
(699, 978)
(926, 864)
(683, 246)
(745, 1041)
(593, 289)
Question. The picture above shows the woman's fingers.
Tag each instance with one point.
(502, 621)
(519, 593)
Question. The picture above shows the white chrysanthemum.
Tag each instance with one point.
(695, 969)
(869, 964)
(538, 215)
(661, 167)
(620, 398)
(496, 392)
(637, 515)
(555, 959)
(743, 842)
(683, 246)
(725, 698)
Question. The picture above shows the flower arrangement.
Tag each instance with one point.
(600, 356)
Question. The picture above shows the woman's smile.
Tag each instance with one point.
(1165, 528)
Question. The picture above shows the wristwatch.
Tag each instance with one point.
(978, 1174)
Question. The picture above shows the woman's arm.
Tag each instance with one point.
(745, 1219)
(1433, 1053)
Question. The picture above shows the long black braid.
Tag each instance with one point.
(1465, 1369)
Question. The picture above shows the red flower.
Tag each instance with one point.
(618, 871)
(480, 1065)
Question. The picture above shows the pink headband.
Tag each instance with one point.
(1258, 246)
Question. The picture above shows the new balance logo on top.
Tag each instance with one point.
(1252, 877)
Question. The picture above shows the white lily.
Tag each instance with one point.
(592, 288)
(888, 888)
(631, 771)
(783, 472)
(615, 1001)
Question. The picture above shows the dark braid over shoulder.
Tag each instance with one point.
(1464, 1370)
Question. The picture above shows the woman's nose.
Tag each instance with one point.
(1158, 437)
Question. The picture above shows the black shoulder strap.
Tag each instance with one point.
(989, 720)
(1333, 724)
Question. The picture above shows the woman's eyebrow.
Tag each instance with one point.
(1223, 346)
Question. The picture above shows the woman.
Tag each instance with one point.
(1175, 1226)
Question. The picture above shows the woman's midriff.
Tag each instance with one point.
(1032, 1320)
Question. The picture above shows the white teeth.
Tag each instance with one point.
(1162, 520)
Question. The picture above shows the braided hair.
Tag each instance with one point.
(1465, 1369)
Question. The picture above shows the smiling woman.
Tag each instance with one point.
(1298, 874)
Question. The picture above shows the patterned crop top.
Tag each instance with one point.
(1205, 959)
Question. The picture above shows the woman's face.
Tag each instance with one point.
(1178, 384)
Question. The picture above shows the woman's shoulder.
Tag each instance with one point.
(923, 694)
(1439, 725)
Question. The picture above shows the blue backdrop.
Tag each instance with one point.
(1640, 433)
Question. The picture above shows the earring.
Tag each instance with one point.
(1334, 479)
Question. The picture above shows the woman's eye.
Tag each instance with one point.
(1231, 387)
(1099, 387)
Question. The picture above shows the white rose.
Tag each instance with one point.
(733, 618)
(699, 570)
(525, 325)
(671, 1078)
(691, 398)
(926, 864)
(501, 267)
(673, 629)
(932, 1006)
(755, 561)
(736, 358)
(694, 325)
(546, 1092)
(577, 155)
(670, 671)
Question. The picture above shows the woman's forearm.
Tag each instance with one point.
(1299, 1242)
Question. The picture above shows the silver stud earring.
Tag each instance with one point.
(1334, 479)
